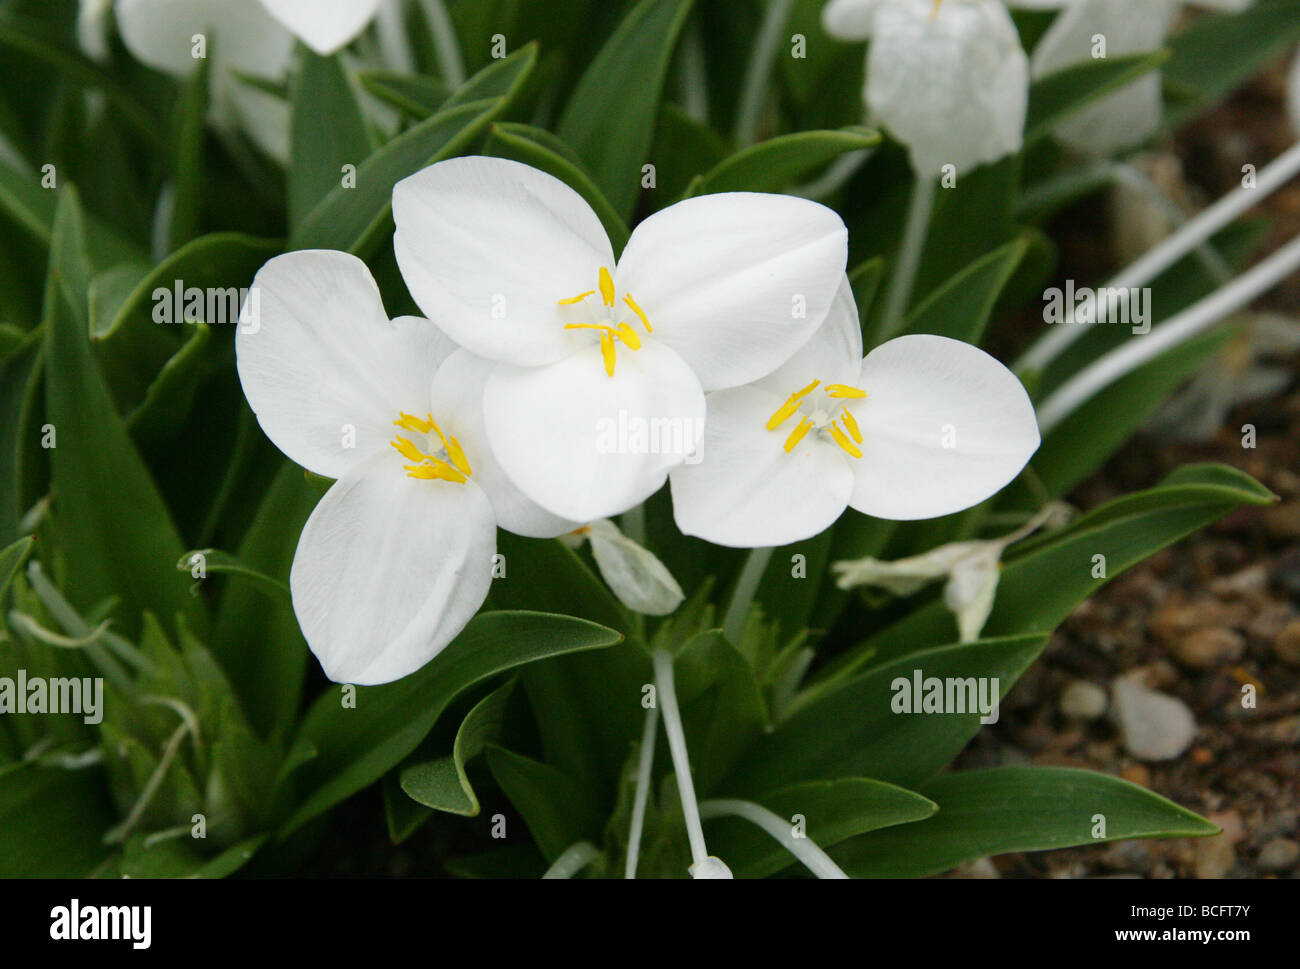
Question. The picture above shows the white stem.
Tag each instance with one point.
(575, 858)
(763, 55)
(644, 767)
(813, 858)
(1192, 234)
(694, 77)
(663, 663)
(119, 833)
(394, 41)
(445, 42)
(1140, 181)
(835, 177)
(733, 624)
(1122, 361)
(909, 255)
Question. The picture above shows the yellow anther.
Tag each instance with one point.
(790, 406)
(457, 455)
(413, 423)
(844, 390)
(843, 441)
(632, 305)
(437, 471)
(628, 336)
(577, 299)
(851, 423)
(606, 286)
(797, 435)
(408, 450)
(587, 326)
(608, 351)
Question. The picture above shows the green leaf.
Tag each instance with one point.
(189, 131)
(991, 812)
(356, 746)
(11, 559)
(328, 131)
(722, 708)
(777, 163)
(551, 802)
(51, 821)
(416, 95)
(610, 118)
(849, 728)
(109, 517)
(1059, 95)
(960, 308)
(833, 811)
(169, 399)
(543, 150)
(20, 382)
(442, 784)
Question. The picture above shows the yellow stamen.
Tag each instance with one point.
(457, 454)
(440, 471)
(606, 286)
(412, 423)
(608, 351)
(790, 406)
(577, 299)
(587, 326)
(843, 441)
(844, 390)
(408, 450)
(632, 305)
(852, 424)
(797, 435)
(628, 336)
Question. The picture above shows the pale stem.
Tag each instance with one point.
(663, 663)
(812, 857)
(762, 56)
(394, 41)
(837, 174)
(575, 858)
(1137, 179)
(909, 255)
(119, 833)
(1122, 361)
(733, 624)
(644, 767)
(445, 43)
(1192, 234)
(694, 77)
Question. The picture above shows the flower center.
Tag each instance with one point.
(612, 330)
(816, 410)
(434, 456)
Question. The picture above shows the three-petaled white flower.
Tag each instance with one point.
(602, 365)
(923, 426)
(397, 556)
(949, 79)
(1131, 115)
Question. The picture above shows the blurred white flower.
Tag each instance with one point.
(397, 556)
(923, 426)
(602, 367)
(639, 580)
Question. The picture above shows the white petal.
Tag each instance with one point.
(92, 27)
(458, 408)
(324, 25)
(902, 577)
(323, 368)
(240, 34)
(260, 115)
(944, 427)
(971, 590)
(747, 492)
(584, 445)
(952, 84)
(389, 569)
(639, 580)
(735, 282)
(849, 19)
(833, 355)
(488, 248)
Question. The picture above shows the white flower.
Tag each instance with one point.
(599, 391)
(325, 26)
(924, 426)
(639, 580)
(949, 79)
(397, 556)
(1131, 115)
(973, 569)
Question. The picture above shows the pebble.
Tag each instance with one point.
(1083, 700)
(1153, 726)
(1280, 854)
(1283, 521)
(1287, 644)
(1209, 648)
(1214, 857)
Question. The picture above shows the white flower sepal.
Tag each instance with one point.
(711, 867)
(973, 569)
(923, 426)
(397, 556)
(634, 574)
(602, 367)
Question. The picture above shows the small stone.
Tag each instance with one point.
(1082, 700)
(1214, 857)
(1136, 774)
(1280, 854)
(1287, 644)
(1153, 726)
(1283, 520)
(1250, 581)
(1209, 648)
